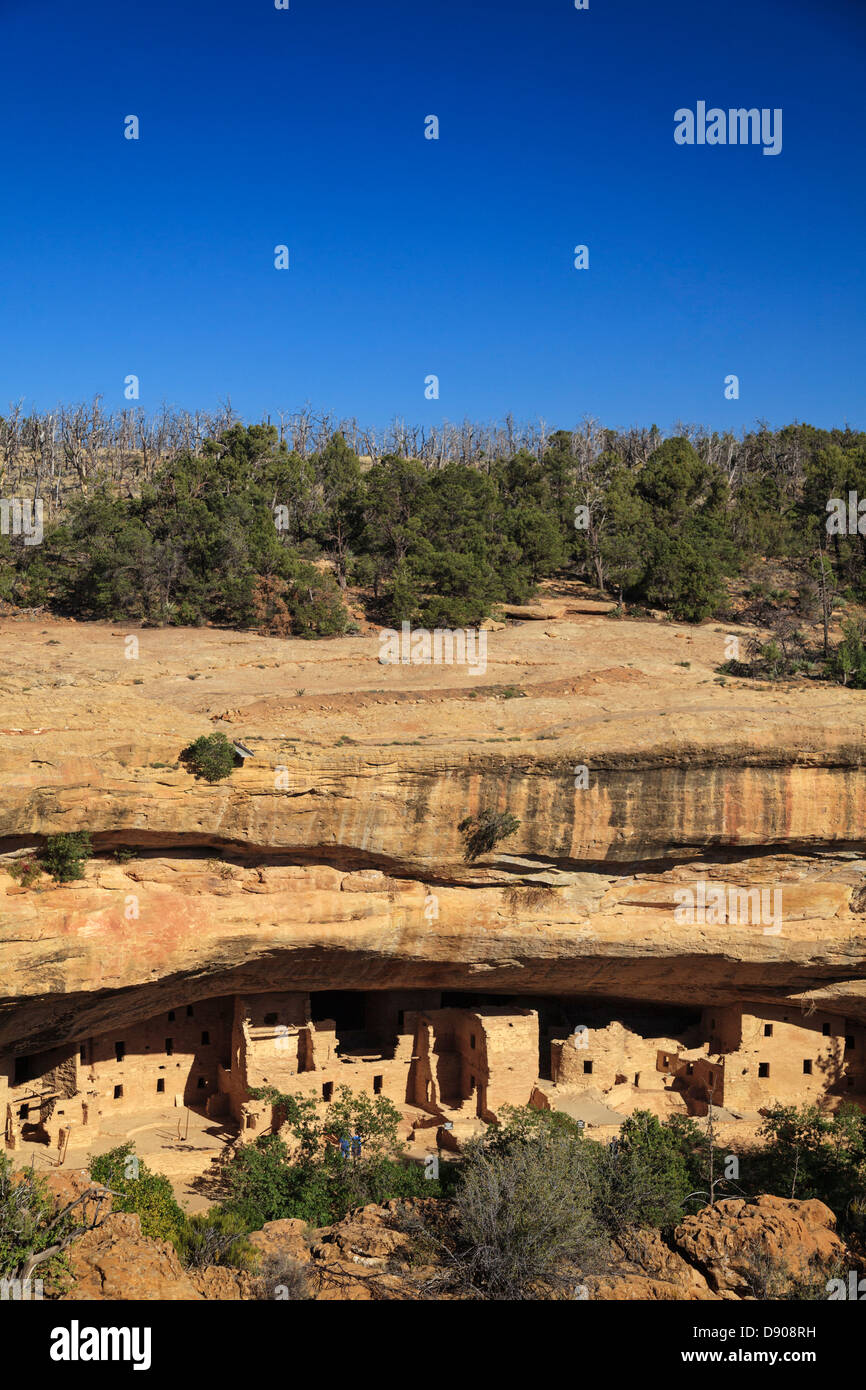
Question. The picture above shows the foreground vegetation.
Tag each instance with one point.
(530, 1207)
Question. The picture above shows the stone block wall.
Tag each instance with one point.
(784, 1055)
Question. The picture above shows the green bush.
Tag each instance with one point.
(139, 1190)
(63, 856)
(808, 1152)
(215, 1237)
(210, 757)
(848, 662)
(266, 1181)
(645, 1177)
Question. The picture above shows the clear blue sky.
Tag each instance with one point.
(409, 256)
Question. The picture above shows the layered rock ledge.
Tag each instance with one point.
(332, 859)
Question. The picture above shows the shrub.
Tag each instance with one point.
(810, 1153)
(482, 833)
(316, 604)
(266, 1181)
(63, 856)
(139, 1190)
(524, 1218)
(215, 1237)
(282, 1278)
(643, 1178)
(36, 1228)
(848, 662)
(210, 757)
(25, 872)
(25, 1214)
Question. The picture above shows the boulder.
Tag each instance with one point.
(737, 1242)
(116, 1261)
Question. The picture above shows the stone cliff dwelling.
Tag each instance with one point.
(443, 1059)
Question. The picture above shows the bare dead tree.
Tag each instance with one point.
(68, 1222)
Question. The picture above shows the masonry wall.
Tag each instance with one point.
(271, 1045)
(38, 1095)
(785, 1056)
(167, 1060)
(476, 1060)
(484, 1058)
(276, 1042)
(170, 1059)
(700, 1080)
(601, 1058)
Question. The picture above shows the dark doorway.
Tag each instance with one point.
(347, 1007)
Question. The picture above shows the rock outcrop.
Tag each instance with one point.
(735, 1250)
(332, 859)
(116, 1261)
(740, 1245)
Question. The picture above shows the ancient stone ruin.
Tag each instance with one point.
(442, 1063)
(676, 924)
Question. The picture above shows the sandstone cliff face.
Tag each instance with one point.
(333, 860)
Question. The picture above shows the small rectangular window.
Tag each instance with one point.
(189, 1010)
(587, 1068)
(201, 1083)
(377, 1085)
(82, 1053)
(160, 1083)
(171, 1015)
(327, 1090)
(471, 1039)
(825, 1029)
(119, 1051)
(205, 1039)
(763, 1068)
(768, 1030)
(169, 1047)
(807, 1066)
(118, 1093)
